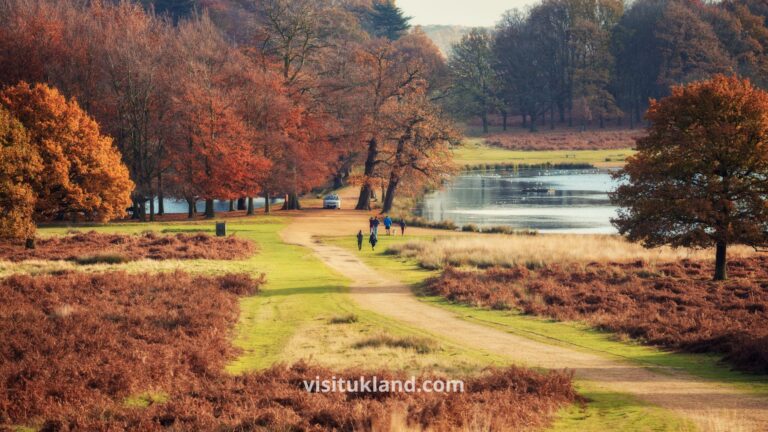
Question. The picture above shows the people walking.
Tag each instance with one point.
(388, 224)
(375, 230)
(373, 240)
(360, 240)
(402, 226)
(370, 224)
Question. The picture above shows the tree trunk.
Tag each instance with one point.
(485, 122)
(338, 180)
(250, 206)
(30, 243)
(364, 200)
(231, 205)
(142, 209)
(241, 203)
(533, 127)
(721, 264)
(389, 197)
(151, 209)
(209, 213)
(292, 202)
(192, 208)
(504, 121)
(552, 117)
(525, 121)
(135, 212)
(267, 203)
(160, 195)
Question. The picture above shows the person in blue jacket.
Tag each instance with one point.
(388, 224)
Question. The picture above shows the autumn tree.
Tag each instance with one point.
(386, 71)
(688, 47)
(744, 36)
(211, 152)
(20, 164)
(700, 177)
(82, 173)
(296, 36)
(418, 150)
(132, 48)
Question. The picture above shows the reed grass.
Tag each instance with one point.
(541, 250)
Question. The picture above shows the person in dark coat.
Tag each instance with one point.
(360, 240)
(373, 240)
(370, 224)
(402, 226)
(375, 223)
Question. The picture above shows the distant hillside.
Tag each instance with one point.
(445, 35)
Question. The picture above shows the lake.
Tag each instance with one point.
(568, 201)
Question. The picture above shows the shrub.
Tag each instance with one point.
(101, 258)
(93, 248)
(76, 343)
(423, 223)
(118, 351)
(343, 319)
(418, 344)
(566, 140)
(674, 305)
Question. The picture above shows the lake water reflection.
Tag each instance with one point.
(573, 201)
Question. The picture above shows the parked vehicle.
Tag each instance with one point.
(332, 202)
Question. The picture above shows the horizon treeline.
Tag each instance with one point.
(230, 99)
(598, 62)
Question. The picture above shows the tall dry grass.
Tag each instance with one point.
(539, 251)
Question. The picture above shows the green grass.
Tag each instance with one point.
(615, 412)
(145, 399)
(474, 153)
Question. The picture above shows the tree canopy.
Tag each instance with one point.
(82, 170)
(700, 177)
(20, 164)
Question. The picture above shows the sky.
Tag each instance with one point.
(471, 13)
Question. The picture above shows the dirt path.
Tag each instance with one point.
(711, 406)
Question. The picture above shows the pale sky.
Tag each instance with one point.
(471, 13)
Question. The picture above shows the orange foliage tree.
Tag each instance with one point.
(212, 154)
(418, 137)
(83, 173)
(700, 177)
(387, 74)
(19, 165)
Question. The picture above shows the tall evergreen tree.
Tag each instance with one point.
(388, 20)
